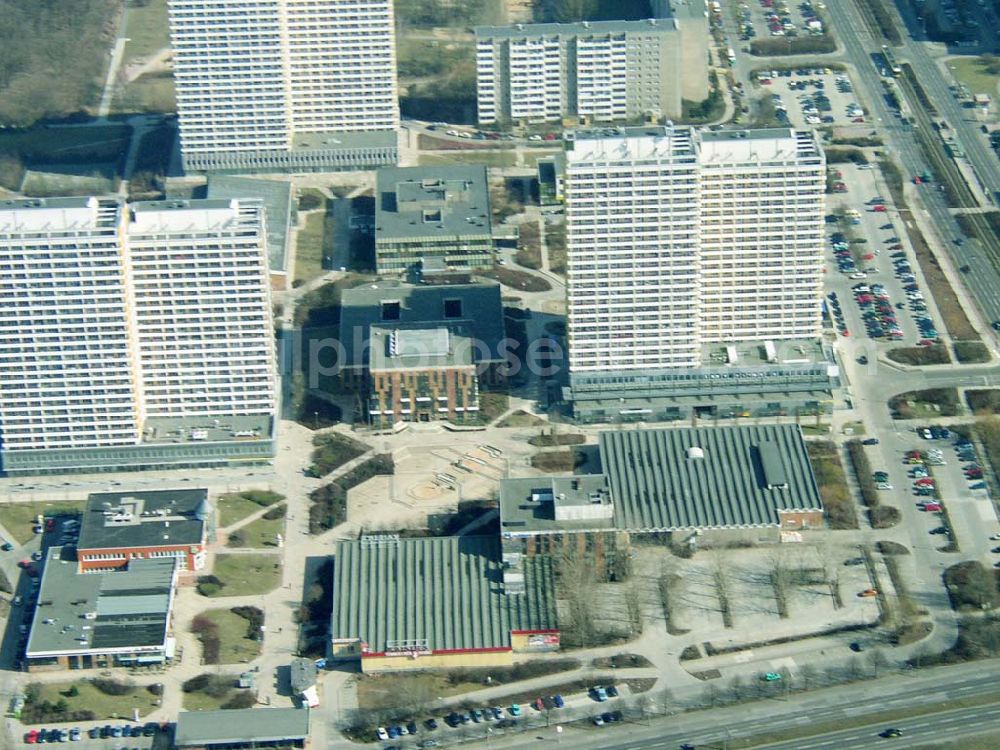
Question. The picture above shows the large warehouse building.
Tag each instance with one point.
(438, 602)
(749, 483)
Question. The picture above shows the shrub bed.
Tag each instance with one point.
(329, 502)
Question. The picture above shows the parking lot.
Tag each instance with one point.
(99, 736)
(764, 19)
(811, 97)
(875, 289)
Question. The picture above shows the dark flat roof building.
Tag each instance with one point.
(251, 727)
(472, 310)
(118, 526)
(101, 619)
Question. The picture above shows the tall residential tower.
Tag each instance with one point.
(134, 336)
(285, 85)
(693, 258)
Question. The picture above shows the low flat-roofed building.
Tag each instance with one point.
(118, 527)
(101, 620)
(552, 515)
(731, 478)
(438, 602)
(773, 378)
(432, 214)
(242, 728)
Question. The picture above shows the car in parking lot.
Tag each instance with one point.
(599, 694)
(515, 709)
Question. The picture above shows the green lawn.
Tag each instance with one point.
(151, 92)
(309, 245)
(18, 518)
(261, 533)
(234, 646)
(245, 575)
(235, 506)
(90, 698)
(146, 29)
(972, 73)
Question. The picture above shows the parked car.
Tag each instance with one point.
(557, 701)
(599, 694)
(869, 441)
(381, 733)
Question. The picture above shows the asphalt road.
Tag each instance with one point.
(927, 689)
(983, 279)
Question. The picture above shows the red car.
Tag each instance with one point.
(925, 482)
(879, 209)
(539, 704)
(932, 507)
(31, 737)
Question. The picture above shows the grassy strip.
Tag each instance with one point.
(832, 481)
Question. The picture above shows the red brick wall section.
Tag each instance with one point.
(128, 552)
(801, 519)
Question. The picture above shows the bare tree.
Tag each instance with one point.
(576, 575)
(877, 660)
(723, 588)
(737, 688)
(781, 579)
(712, 694)
(633, 607)
(809, 676)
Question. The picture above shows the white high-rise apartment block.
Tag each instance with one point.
(66, 372)
(678, 239)
(131, 333)
(291, 85)
(762, 217)
(202, 307)
(632, 261)
(603, 71)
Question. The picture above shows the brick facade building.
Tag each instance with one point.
(119, 527)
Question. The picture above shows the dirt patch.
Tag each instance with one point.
(708, 674)
(624, 661)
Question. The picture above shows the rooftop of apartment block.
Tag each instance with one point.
(276, 195)
(521, 30)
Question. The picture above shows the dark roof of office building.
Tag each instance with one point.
(276, 196)
(201, 728)
(472, 310)
(707, 477)
(100, 612)
(426, 202)
(144, 518)
(446, 593)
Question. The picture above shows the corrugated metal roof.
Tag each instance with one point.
(447, 591)
(657, 486)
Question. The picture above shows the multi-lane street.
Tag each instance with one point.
(863, 706)
(859, 45)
